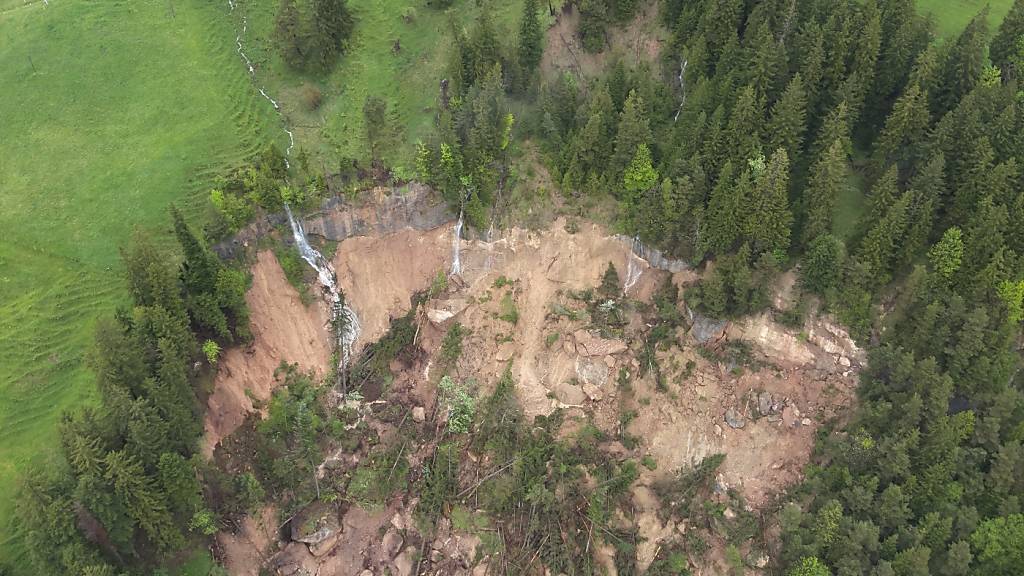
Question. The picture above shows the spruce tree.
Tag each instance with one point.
(143, 500)
(768, 219)
(531, 37)
(1006, 44)
(828, 176)
(864, 57)
(789, 119)
(821, 267)
(200, 266)
(904, 35)
(965, 63)
(288, 34)
(634, 130)
(332, 25)
(725, 210)
(744, 127)
(929, 191)
(905, 131)
(882, 241)
(836, 126)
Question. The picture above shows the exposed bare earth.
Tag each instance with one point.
(776, 397)
(284, 330)
(380, 274)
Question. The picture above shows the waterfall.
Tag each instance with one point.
(633, 270)
(457, 246)
(329, 280)
(682, 88)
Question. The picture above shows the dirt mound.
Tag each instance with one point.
(283, 330)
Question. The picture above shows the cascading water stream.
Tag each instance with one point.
(343, 317)
(633, 269)
(682, 88)
(263, 92)
(457, 246)
(340, 312)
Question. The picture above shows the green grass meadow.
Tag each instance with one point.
(110, 111)
(952, 15)
(407, 79)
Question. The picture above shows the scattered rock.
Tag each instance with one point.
(398, 521)
(593, 372)
(566, 393)
(589, 345)
(568, 346)
(419, 414)
(718, 430)
(729, 514)
(806, 421)
(610, 361)
(446, 310)
(325, 546)
(315, 524)
(391, 543)
(734, 419)
(505, 352)
(366, 573)
(844, 361)
(593, 392)
(404, 564)
(764, 403)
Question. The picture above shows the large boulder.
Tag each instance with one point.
(315, 524)
(593, 372)
(588, 344)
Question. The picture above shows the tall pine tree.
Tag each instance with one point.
(531, 38)
(1006, 45)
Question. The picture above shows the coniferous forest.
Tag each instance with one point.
(840, 139)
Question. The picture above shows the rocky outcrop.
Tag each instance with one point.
(381, 211)
(411, 206)
(705, 329)
(655, 258)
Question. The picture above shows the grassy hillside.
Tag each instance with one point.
(407, 78)
(111, 110)
(952, 15)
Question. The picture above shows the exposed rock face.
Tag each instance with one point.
(656, 258)
(380, 212)
(773, 339)
(705, 329)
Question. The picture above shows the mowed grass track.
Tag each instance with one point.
(952, 15)
(109, 111)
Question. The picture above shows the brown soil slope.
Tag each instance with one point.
(284, 330)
